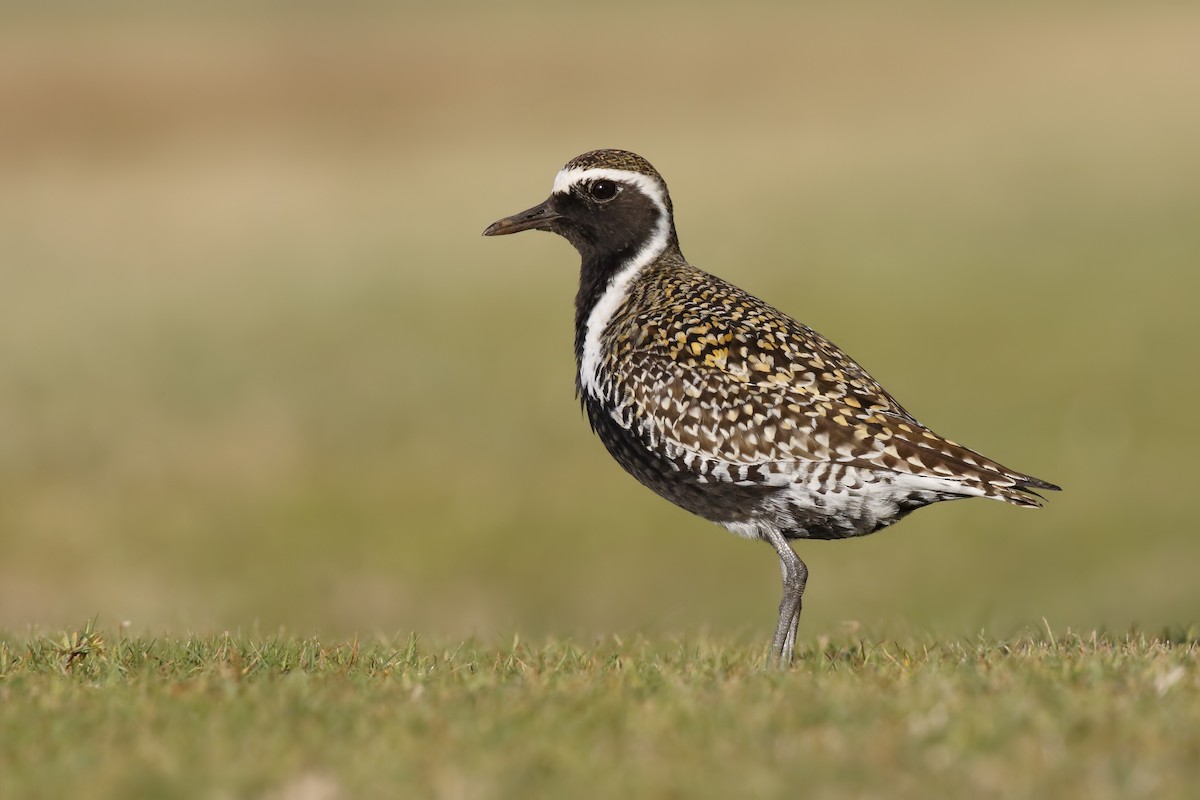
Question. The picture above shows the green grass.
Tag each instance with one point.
(259, 371)
(94, 713)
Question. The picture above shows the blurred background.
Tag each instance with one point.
(258, 368)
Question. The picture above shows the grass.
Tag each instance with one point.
(99, 714)
(259, 371)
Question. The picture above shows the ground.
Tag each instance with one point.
(92, 713)
(260, 372)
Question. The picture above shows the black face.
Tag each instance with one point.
(604, 219)
(608, 222)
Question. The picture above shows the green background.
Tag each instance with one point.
(258, 368)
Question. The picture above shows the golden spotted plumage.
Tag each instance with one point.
(721, 373)
(726, 406)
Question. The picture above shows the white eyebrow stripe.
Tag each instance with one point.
(569, 178)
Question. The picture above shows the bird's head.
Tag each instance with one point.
(607, 203)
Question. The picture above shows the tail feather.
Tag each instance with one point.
(960, 470)
(1022, 492)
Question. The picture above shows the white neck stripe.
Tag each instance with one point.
(618, 286)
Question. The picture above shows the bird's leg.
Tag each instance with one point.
(795, 576)
(790, 643)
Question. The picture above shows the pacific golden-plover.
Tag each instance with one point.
(726, 406)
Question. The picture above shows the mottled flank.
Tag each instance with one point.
(726, 406)
(719, 387)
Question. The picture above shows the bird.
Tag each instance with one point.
(726, 406)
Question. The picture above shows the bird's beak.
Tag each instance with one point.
(540, 217)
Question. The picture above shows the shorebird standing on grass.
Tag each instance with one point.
(726, 406)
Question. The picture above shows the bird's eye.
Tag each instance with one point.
(603, 191)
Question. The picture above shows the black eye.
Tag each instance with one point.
(603, 191)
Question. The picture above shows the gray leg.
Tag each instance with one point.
(790, 643)
(795, 576)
